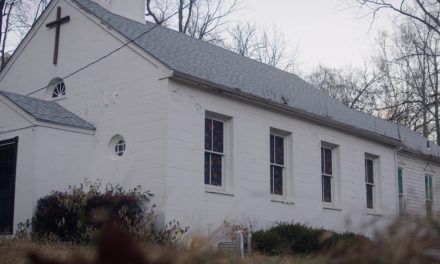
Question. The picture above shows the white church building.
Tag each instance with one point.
(213, 135)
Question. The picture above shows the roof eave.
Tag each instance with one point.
(285, 108)
(420, 154)
(88, 128)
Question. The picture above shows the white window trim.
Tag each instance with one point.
(431, 200)
(287, 197)
(51, 87)
(376, 210)
(112, 144)
(401, 196)
(226, 187)
(335, 177)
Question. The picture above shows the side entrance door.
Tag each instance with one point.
(8, 164)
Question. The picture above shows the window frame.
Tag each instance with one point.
(375, 184)
(276, 134)
(52, 86)
(332, 176)
(226, 163)
(401, 191)
(288, 186)
(117, 150)
(429, 196)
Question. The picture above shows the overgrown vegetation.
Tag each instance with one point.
(403, 242)
(296, 238)
(75, 215)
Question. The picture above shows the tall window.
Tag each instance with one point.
(327, 171)
(369, 181)
(401, 195)
(214, 152)
(429, 195)
(276, 164)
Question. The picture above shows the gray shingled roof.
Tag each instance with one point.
(45, 111)
(204, 61)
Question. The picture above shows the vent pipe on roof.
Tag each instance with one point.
(132, 9)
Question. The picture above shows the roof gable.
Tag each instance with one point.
(46, 111)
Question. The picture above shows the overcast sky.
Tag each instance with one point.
(328, 32)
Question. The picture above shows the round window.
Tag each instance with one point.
(117, 146)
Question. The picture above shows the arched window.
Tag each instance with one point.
(57, 88)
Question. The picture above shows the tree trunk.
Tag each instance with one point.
(8, 8)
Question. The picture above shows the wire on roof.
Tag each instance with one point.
(110, 53)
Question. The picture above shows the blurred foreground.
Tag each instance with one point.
(403, 242)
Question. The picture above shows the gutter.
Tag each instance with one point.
(179, 76)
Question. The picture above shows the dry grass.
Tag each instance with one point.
(16, 251)
(407, 242)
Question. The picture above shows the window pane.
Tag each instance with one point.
(426, 187)
(271, 179)
(279, 150)
(218, 136)
(369, 169)
(272, 148)
(322, 160)
(430, 188)
(208, 134)
(328, 161)
(369, 196)
(400, 180)
(278, 180)
(207, 167)
(326, 189)
(216, 169)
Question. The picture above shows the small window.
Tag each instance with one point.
(117, 146)
(277, 166)
(214, 152)
(369, 181)
(429, 195)
(57, 88)
(400, 189)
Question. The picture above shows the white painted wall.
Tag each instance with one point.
(414, 171)
(125, 98)
(248, 199)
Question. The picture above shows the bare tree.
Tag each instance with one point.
(411, 63)
(267, 46)
(18, 16)
(242, 39)
(202, 19)
(425, 12)
(354, 87)
(409, 59)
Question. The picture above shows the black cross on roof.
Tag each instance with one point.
(57, 24)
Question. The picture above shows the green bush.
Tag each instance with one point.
(296, 238)
(75, 215)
